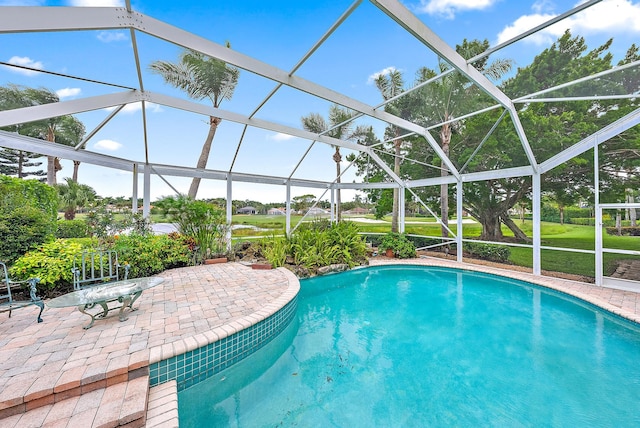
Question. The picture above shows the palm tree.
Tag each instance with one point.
(450, 96)
(65, 130)
(390, 85)
(200, 77)
(73, 196)
(336, 128)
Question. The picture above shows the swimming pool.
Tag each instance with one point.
(428, 346)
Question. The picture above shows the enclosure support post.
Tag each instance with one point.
(229, 210)
(401, 214)
(459, 196)
(332, 218)
(288, 209)
(146, 195)
(535, 206)
(134, 193)
(598, 213)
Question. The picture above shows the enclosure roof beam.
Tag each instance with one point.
(80, 18)
(15, 141)
(63, 108)
(45, 111)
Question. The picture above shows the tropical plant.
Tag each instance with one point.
(202, 221)
(339, 126)
(73, 196)
(275, 251)
(51, 262)
(200, 77)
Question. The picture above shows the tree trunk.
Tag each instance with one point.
(20, 162)
(517, 233)
(445, 140)
(491, 230)
(337, 158)
(70, 214)
(561, 209)
(396, 191)
(76, 165)
(204, 155)
(51, 160)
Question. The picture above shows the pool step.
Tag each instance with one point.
(122, 404)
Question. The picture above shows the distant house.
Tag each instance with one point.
(247, 210)
(356, 211)
(317, 211)
(276, 211)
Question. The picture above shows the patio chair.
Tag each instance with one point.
(8, 304)
(93, 267)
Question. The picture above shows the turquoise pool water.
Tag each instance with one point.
(421, 346)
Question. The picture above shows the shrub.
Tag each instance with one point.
(52, 263)
(27, 216)
(152, 254)
(72, 229)
(491, 252)
(400, 245)
(624, 231)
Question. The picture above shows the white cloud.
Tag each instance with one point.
(108, 145)
(280, 137)
(111, 36)
(136, 107)
(97, 3)
(68, 92)
(449, 8)
(26, 62)
(372, 78)
(608, 17)
(527, 22)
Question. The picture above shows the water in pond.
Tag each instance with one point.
(422, 346)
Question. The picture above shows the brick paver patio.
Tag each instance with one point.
(62, 375)
(56, 374)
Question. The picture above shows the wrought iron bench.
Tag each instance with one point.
(96, 267)
(8, 304)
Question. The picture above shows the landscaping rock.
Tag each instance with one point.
(332, 269)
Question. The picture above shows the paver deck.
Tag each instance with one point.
(56, 374)
(61, 375)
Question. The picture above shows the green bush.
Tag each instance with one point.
(400, 245)
(27, 216)
(152, 254)
(583, 221)
(52, 263)
(624, 231)
(72, 229)
(491, 252)
(22, 229)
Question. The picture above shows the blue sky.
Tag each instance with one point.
(279, 33)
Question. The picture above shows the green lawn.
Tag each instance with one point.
(552, 234)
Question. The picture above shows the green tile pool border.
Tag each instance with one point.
(195, 366)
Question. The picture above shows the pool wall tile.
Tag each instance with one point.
(194, 366)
